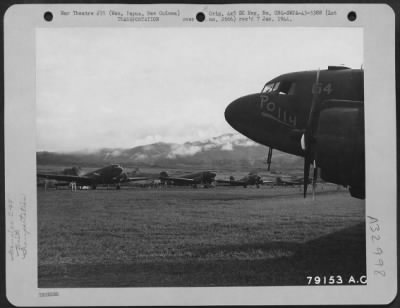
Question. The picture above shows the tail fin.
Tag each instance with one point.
(163, 177)
(163, 174)
(77, 170)
(72, 171)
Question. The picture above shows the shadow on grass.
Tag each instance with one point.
(264, 264)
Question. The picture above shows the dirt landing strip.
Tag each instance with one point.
(197, 237)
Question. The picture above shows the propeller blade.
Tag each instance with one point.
(306, 174)
(306, 140)
(314, 180)
(316, 90)
(123, 177)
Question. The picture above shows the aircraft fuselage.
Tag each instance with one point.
(315, 114)
(278, 118)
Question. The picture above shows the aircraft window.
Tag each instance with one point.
(287, 87)
(115, 166)
(268, 88)
(275, 87)
(292, 88)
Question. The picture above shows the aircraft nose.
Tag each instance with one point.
(118, 170)
(242, 110)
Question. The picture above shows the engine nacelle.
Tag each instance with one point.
(339, 144)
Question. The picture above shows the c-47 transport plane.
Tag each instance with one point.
(318, 115)
(113, 174)
(290, 181)
(250, 179)
(206, 178)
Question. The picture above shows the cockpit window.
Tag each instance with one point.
(276, 85)
(268, 88)
(116, 166)
(283, 87)
(287, 87)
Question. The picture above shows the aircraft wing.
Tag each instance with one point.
(294, 181)
(179, 180)
(138, 178)
(66, 178)
(268, 182)
(230, 182)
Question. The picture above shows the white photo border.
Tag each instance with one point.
(378, 23)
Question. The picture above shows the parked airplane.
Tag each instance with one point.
(113, 174)
(250, 179)
(290, 181)
(206, 178)
(318, 115)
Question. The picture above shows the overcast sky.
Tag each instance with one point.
(123, 87)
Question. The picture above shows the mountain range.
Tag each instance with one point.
(228, 152)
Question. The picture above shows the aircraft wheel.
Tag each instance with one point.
(118, 187)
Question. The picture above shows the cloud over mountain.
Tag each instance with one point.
(229, 151)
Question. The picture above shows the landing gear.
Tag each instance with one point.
(118, 186)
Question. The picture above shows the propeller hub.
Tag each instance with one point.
(303, 142)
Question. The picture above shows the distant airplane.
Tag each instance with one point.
(250, 179)
(318, 115)
(113, 174)
(148, 183)
(206, 178)
(290, 181)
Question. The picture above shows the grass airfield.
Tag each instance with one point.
(179, 236)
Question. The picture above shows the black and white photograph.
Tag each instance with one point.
(200, 157)
(173, 154)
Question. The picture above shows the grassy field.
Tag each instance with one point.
(197, 237)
